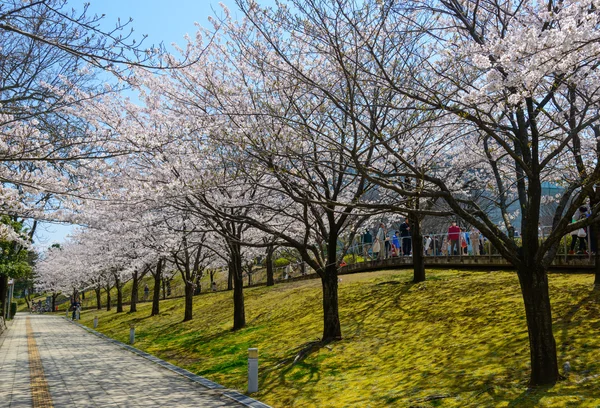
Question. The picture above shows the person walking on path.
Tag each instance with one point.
(146, 292)
(405, 237)
(75, 305)
(454, 239)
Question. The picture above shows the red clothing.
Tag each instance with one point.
(454, 233)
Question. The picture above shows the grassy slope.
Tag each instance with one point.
(461, 335)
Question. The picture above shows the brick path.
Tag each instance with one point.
(80, 369)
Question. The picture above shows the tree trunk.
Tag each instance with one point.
(54, 296)
(544, 363)
(235, 271)
(164, 288)
(332, 329)
(269, 261)
(108, 299)
(28, 300)
(417, 250)
(3, 294)
(189, 301)
(134, 292)
(230, 279)
(98, 299)
(595, 228)
(156, 296)
(119, 296)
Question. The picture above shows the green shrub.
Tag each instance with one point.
(279, 262)
(13, 309)
(352, 259)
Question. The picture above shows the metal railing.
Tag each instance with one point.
(469, 244)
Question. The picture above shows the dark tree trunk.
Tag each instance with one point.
(596, 237)
(164, 288)
(134, 292)
(332, 329)
(54, 296)
(98, 299)
(3, 294)
(594, 241)
(269, 261)
(83, 295)
(156, 296)
(417, 249)
(544, 363)
(230, 279)
(119, 286)
(235, 271)
(28, 301)
(108, 299)
(189, 301)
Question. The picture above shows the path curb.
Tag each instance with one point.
(234, 395)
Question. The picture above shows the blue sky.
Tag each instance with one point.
(163, 21)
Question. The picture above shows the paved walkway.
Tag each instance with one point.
(79, 369)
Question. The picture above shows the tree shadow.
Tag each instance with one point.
(531, 396)
(568, 318)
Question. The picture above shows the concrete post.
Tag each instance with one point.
(131, 334)
(95, 322)
(252, 370)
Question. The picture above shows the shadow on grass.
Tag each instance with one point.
(531, 396)
(296, 369)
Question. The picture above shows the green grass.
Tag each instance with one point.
(460, 336)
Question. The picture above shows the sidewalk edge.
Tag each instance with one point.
(234, 395)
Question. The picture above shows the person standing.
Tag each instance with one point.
(405, 237)
(146, 292)
(428, 242)
(454, 239)
(581, 233)
(75, 305)
(367, 243)
(380, 239)
(464, 244)
(396, 244)
(475, 241)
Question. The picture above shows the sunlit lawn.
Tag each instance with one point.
(457, 340)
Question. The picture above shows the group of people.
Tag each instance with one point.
(457, 241)
(384, 246)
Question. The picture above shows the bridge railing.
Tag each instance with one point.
(439, 245)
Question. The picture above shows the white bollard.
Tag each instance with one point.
(95, 322)
(131, 334)
(77, 314)
(67, 316)
(252, 370)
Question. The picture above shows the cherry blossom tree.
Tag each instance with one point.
(504, 96)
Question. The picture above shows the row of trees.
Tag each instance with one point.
(298, 124)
